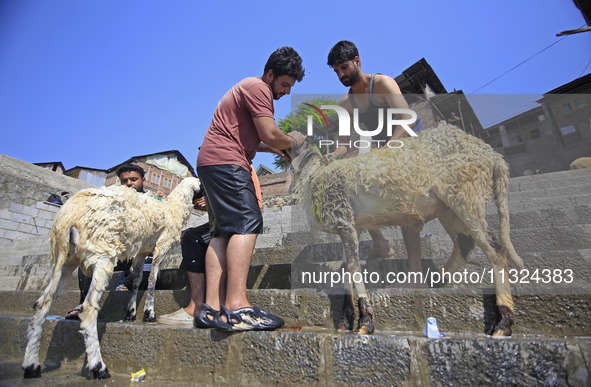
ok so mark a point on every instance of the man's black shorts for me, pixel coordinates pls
(231, 200)
(194, 242)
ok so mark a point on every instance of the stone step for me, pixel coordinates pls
(550, 217)
(559, 198)
(550, 180)
(563, 210)
(312, 246)
(545, 309)
(541, 248)
(315, 357)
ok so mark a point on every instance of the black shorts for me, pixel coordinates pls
(194, 243)
(231, 200)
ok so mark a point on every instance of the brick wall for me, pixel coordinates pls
(21, 221)
(276, 184)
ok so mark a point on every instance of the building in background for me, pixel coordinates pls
(550, 136)
(89, 175)
(55, 166)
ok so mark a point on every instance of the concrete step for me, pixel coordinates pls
(315, 357)
(549, 310)
(318, 246)
(549, 199)
(550, 345)
(550, 180)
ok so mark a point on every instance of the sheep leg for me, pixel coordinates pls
(149, 315)
(137, 272)
(463, 242)
(504, 301)
(351, 245)
(348, 317)
(31, 366)
(88, 318)
(473, 218)
(497, 256)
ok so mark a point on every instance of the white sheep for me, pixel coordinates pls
(581, 163)
(93, 230)
(443, 173)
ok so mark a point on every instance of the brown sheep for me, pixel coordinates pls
(442, 173)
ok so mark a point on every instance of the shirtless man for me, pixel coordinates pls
(367, 94)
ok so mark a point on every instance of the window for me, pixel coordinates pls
(566, 108)
(579, 103)
(568, 130)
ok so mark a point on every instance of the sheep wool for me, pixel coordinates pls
(93, 230)
(442, 173)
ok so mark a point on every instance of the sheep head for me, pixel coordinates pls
(304, 158)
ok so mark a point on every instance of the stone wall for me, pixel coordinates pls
(24, 189)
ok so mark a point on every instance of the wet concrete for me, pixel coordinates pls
(11, 375)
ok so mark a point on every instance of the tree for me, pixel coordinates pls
(298, 121)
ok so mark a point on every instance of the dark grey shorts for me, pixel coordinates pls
(231, 200)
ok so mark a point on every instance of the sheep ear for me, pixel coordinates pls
(303, 158)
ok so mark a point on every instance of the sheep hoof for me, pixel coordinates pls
(503, 328)
(130, 315)
(149, 316)
(32, 371)
(100, 373)
(502, 333)
(365, 317)
(346, 324)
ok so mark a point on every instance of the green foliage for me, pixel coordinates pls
(298, 121)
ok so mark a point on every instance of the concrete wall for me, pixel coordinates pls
(24, 189)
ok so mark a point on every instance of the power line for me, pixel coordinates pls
(531, 57)
(585, 69)
(514, 67)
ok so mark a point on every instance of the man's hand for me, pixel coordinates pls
(298, 137)
(199, 204)
(161, 194)
(338, 153)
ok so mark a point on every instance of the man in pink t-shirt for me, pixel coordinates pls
(243, 124)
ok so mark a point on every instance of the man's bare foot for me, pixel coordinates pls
(381, 248)
(382, 252)
(407, 285)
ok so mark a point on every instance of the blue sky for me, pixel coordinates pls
(92, 83)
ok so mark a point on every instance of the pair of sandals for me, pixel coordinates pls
(242, 319)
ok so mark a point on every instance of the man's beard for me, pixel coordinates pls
(350, 79)
(276, 95)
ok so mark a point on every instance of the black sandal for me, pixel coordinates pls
(202, 319)
(74, 313)
(247, 319)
